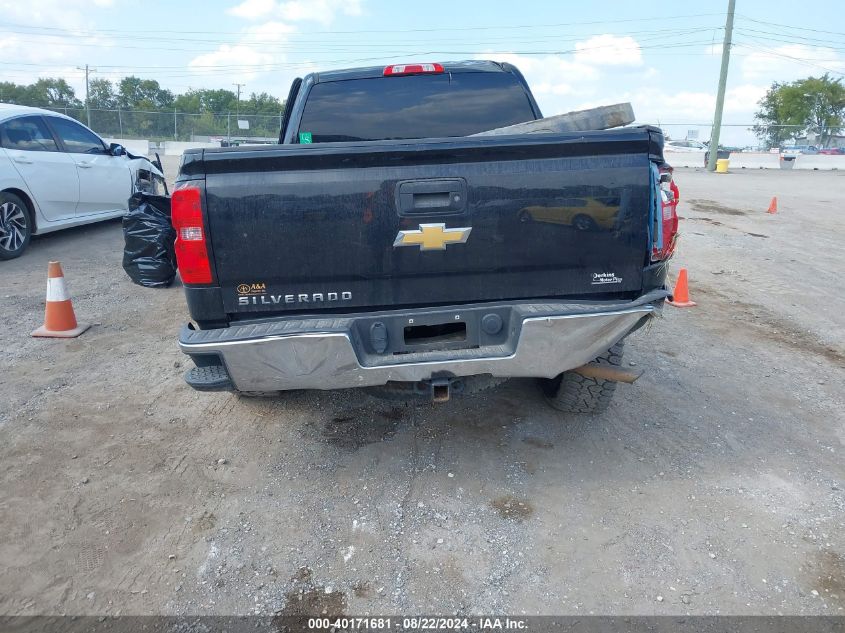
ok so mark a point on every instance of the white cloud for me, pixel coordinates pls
(257, 56)
(62, 13)
(560, 82)
(322, 11)
(788, 62)
(743, 99)
(600, 74)
(269, 31)
(29, 56)
(553, 79)
(677, 112)
(238, 55)
(609, 50)
(253, 9)
(653, 104)
(249, 57)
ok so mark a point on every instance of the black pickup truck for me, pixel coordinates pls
(379, 244)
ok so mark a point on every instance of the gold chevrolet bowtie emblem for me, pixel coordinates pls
(432, 237)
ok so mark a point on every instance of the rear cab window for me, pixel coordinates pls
(28, 133)
(413, 106)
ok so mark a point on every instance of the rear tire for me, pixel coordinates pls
(15, 226)
(573, 393)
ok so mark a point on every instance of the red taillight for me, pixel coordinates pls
(412, 69)
(669, 202)
(191, 251)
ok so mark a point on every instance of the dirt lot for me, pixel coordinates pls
(716, 484)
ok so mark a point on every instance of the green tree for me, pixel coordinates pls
(135, 107)
(187, 102)
(44, 93)
(143, 94)
(10, 92)
(202, 100)
(217, 101)
(793, 109)
(262, 103)
(101, 94)
(54, 93)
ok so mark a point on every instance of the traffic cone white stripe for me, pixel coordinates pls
(59, 319)
(57, 289)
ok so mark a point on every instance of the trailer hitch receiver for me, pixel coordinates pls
(439, 389)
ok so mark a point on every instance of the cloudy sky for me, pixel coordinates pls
(662, 56)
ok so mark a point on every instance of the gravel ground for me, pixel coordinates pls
(715, 484)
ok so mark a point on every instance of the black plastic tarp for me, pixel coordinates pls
(148, 254)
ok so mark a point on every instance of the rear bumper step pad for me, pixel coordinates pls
(211, 378)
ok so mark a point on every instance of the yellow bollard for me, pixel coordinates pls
(722, 165)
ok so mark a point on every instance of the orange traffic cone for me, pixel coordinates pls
(59, 319)
(680, 296)
(773, 206)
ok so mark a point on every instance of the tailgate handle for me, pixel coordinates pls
(447, 196)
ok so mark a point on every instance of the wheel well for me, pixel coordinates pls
(28, 202)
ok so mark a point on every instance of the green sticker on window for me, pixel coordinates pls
(305, 137)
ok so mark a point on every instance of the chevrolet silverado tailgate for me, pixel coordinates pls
(434, 221)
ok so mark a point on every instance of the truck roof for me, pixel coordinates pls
(368, 72)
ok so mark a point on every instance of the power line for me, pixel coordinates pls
(790, 26)
(782, 40)
(797, 60)
(294, 64)
(295, 46)
(826, 41)
(77, 32)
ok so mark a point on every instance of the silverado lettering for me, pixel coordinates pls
(317, 297)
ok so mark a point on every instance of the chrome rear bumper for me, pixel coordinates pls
(328, 352)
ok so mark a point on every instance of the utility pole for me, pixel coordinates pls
(238, 105)
(87, 100)
(723, 80)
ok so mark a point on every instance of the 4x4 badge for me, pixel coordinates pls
(432, 237)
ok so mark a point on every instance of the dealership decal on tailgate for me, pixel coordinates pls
(605, 278)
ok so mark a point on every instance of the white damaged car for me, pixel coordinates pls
(56, 173)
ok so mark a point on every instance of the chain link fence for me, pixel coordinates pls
(235, 127)
(744, 136)
(179, 126)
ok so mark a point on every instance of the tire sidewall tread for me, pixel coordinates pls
(6, 196)
(571, 392)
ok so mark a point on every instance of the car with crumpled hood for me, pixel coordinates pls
(55, 173)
